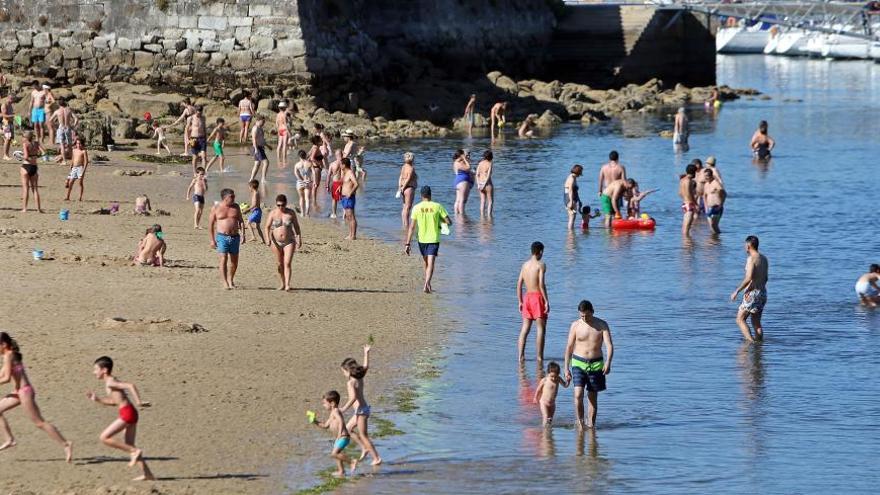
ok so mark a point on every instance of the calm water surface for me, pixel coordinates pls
(689, 408)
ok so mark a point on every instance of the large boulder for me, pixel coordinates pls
(548, 120)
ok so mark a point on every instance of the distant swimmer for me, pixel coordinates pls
(612, 197)
(527, 128)
(470, 115)
(687, 190)
(428, 217)
(681, 130)
(754, 288)
(762, 144)
(484, 184)
(714, 197)
(23, 394)
(534, 305)
(868, 287)
(407, 183)
(571, 198)
(609, 173)
(584, 364)
(464, 179)
(545, 392)
(497, 117)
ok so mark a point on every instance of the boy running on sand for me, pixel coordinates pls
(197, 188)
(218, 140)
(336, 421)
(128, 415)
(161, 138)
(535, 306)
(545, 393)
(355, 374)
(255, 213)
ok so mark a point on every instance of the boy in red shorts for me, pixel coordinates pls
(128, 415)
(534, 305)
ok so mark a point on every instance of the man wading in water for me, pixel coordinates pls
(755, 296)
(583, 361)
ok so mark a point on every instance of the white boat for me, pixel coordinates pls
(793, 42)
(775, 34)
(741, 39)
(815, 44)
(842, 46)
(875, 51)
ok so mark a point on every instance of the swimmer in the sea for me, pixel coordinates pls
(762, 144)
(868, 287)
(754, 288)
(534, 306)
(23, 394)
(336, 421)
(117, 396)
(588, 214)
(357, 425)
(545, 393)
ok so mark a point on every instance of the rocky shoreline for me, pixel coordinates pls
(116, 111)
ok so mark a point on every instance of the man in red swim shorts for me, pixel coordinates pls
(534, 305)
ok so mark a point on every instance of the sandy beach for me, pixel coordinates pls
(230, 373)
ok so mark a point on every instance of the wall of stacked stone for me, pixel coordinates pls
(179, 43)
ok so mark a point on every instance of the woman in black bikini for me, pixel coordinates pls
(284, 236)
(762, 144)
(30, 175)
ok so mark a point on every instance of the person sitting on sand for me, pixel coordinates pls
(868, 287)
(128, 416)
(336, 421)
(142, 205)
(23, 394)
(355, 374)
(151, 249)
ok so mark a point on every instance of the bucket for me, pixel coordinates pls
(38, 254)
(64, 215)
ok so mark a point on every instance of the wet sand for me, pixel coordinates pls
(229, 402)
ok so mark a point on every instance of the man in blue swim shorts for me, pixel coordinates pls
(39, 96)
(584, 363)
(349, 189)
(227, 233)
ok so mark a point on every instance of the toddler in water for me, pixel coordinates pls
(355, 374)
(545, 393)
(336, 421)
(588, 214)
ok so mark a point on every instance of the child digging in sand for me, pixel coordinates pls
(336, 421)
(197, 188)
(355, 374)
(128, 415)
(142, 205)
(545, 393)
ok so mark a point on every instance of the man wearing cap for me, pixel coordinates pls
(38, 109)
(281, 122)
(355, 155)
(428, 215)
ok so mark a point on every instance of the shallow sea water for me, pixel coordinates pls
(689, 408)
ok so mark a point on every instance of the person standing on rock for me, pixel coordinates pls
(282, 121)
(66, 120)
(754, 288)
(427, 216)
(470, 115)
(188, 110)
(258, 141)
(38, 110)
(7, 112)
(687, 190)
(497, 117)
(198, 137)
(680, 131)
(349, 189)
(227, 234)
(609, 173)
(246, 111)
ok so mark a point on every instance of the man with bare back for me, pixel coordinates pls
(197, 130)
(754, 288)
(687, 189)
(535, 306)
(615, 192)
(38, 109)
(66, 119)
(609, 173)
(584, 364)
(227, 234)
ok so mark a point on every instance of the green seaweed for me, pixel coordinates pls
(328, 483)
(163, 159)
(405, 400)
(384, 428)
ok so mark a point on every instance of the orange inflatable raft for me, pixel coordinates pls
(645, 223)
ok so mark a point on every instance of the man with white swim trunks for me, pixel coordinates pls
(66, 120)
(755, 296)
(868, 287)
